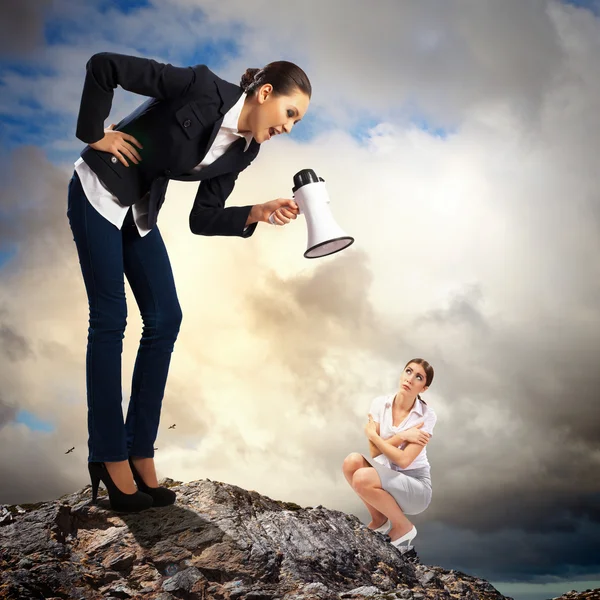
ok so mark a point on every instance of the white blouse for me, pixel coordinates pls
(381, 409)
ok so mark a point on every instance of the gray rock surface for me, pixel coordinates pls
(586, 595)
(218, 541)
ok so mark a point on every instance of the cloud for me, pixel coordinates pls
(21, 26)
(7, 413)
(14, 346)
(479, 54)
(396, 72)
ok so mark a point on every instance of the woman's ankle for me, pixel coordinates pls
(401, 528)
(121, 474)
(375, 523)
(146, 470)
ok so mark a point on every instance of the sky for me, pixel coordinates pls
(459, 144)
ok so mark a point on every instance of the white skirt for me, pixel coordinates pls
(411, 492)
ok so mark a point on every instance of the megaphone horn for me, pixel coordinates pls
(325, 236)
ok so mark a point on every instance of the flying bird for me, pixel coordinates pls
(173, 426)
(70, 450)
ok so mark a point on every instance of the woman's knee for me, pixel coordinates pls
(365, 477)
(165, 323)
(353, 461)
(171, 320)
(109, 321)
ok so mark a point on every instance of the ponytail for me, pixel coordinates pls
(284, 76)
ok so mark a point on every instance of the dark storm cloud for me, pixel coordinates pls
(463, 309)
(33, 200)
(514, 456)
(544, 556)
(533, 466)
(14, 346)
(21, 26)
(7, 412)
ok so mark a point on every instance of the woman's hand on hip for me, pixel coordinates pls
(416, 436)
(119, 144)
(283, 210)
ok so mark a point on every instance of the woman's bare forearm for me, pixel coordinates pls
(373, 449)
(395, 440)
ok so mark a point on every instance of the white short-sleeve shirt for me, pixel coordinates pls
(381, 409)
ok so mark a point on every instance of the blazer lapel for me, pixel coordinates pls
(229, 94)
(230, 161)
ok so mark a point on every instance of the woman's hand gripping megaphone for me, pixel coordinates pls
(280, 211)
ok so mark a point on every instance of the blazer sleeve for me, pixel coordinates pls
(209, 216)
(106, 70)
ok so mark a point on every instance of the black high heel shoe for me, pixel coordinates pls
(162, 496)
(119, 501)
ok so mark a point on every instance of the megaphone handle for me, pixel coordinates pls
(299, 209)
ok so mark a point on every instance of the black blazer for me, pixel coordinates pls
(176, 128)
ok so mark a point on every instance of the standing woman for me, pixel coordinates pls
(395, 480)
(194, 127)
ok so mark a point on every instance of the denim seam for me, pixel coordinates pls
(143, 375)
(91, 345)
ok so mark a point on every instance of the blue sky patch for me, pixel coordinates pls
(125, 6)
(313, 124)
(57, 31)
(360, 131)
(6, 253)
(33, 422)
(430, 128)
(213, 54)
(24, 68)
(592, 5)
(22, 130)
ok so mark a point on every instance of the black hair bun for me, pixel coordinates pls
(248, 78)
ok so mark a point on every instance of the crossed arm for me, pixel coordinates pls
(402, 456)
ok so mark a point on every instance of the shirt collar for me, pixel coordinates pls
(417, 406)
(231, 118)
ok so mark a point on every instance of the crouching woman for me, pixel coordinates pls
(394, 481)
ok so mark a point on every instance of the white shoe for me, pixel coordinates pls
(408, 538)
(384, 528)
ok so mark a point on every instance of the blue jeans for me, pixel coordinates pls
(106, 255)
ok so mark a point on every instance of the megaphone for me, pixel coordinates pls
(325, 236)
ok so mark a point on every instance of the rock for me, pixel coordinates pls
(219, 542)
(315, 590)
(5, 516)
(365, 591)
(185, 580)
(585, 595)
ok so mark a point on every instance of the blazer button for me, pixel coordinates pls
(187, 123)
(114, 159)
(167, 172)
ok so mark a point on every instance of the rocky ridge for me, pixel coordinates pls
(217, 542)
(585, 595)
